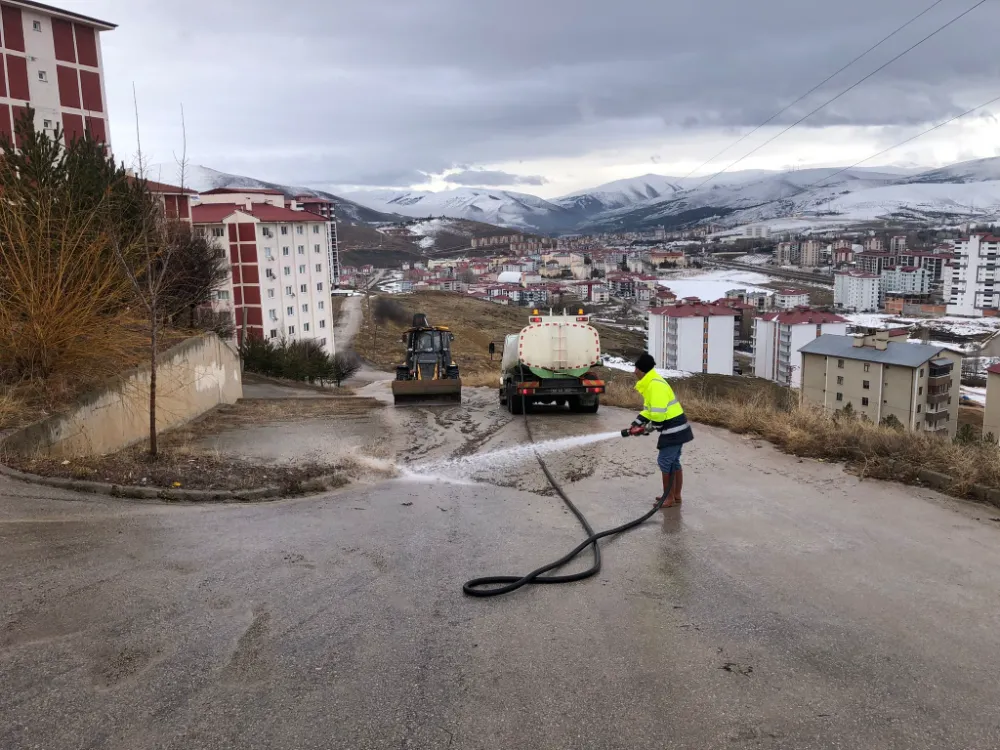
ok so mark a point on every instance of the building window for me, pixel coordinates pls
(286, 251)
(840, 380)
(304, 288)
(288, 291)
(319, 287)
(290, 311)
(867, 367)
(269, 273)
(864, 401)
(43, 76)
(47, 124)
(840, 364)
(302, 269)
(266, 231)
(36, 25)
(322, 342)
(284, 230)
(299, 229)
(272, 314)
(305, 308)
(322, 324)
(920, 391)
(288, 271)
(268, 254)
(866, 384)
(921, 373)
(918, 408)
(840, 396)
(321, 305)
(316, 230)
(302, 250)
(316, 248)
(291, 330)
(270, 294)
(305, 326)
(218, 231)
(274, 333)
(319, 267)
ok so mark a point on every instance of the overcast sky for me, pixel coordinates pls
(539, 96)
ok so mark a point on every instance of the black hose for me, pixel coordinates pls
(507, 584)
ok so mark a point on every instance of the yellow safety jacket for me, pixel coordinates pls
(663, 410)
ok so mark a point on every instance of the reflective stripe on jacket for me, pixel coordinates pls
(662, 408)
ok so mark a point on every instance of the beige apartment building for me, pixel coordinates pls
(991, 414)
(879, 375)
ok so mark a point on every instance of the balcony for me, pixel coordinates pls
(934, 399)
(937, 420)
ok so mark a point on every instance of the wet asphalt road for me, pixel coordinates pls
(788, 605)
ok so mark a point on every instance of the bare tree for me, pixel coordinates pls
(343, 366)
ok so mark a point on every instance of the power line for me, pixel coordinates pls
(845, 91)
(814, 88)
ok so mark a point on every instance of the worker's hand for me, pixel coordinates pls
(636, 429)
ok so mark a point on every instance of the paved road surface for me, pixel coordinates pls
(787, 605)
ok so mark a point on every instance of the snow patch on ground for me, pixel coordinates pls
(977, 395)
(713, 285)
(617, 363)
(954, 326)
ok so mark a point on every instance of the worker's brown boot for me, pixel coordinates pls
(678, 483)
(668, 490)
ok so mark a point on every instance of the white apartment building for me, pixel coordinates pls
(53, 64)
(935, 262)
(756, 231)
(692, 336)
(908, 279)
(786, 299)
(971, 287)
(787, 254)
(857, 291)
(897, 244)
(279, 257)
(812, 254)
(778, 336)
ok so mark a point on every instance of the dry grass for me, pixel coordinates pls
(476, 324)
(761, 408)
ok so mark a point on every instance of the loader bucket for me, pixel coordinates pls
(444, 392)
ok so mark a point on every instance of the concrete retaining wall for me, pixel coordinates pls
(191, 378)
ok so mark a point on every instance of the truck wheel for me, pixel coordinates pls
(503, 396)
(577, 406)
(515, 403)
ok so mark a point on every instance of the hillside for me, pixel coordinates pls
(202, 178)
(476, 324)
(825, 195)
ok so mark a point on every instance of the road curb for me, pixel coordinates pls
(315, 485)
(939, 481)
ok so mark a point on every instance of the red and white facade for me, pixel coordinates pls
(693, 336)
(778, 336)
(52, 62)
(786, 299)
(279, 257)
(328, 210)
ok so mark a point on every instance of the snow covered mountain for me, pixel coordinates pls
(970, 189)
(200, 178)
(501, 207)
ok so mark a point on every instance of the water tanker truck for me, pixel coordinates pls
(549, 362)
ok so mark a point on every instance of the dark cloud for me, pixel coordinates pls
(493, 178)
(360, 92)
